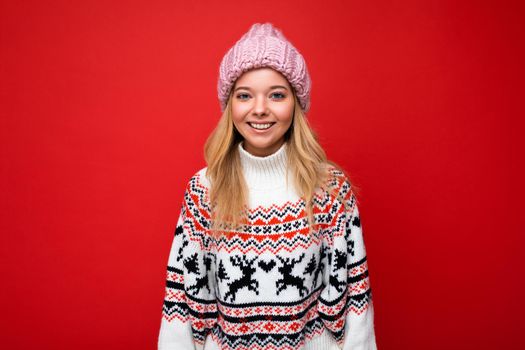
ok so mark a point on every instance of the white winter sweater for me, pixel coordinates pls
(272, 285)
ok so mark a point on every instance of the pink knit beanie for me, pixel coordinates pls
(264, 46)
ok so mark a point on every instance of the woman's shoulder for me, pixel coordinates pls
(198, 184)
(337, 183)
(335, 175)
(199, 177)
(197, 191)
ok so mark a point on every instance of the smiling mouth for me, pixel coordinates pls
(261, 126)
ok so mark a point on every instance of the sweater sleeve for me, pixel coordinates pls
(189, 309)
(345, 303)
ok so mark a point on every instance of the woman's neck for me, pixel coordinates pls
(264, 172)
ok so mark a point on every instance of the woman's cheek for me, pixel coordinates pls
(240, 110)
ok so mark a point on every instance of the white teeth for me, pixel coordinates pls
(260, 126)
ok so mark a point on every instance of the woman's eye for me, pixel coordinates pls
(275, 95)
(241, 96)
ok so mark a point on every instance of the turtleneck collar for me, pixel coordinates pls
(264, 172)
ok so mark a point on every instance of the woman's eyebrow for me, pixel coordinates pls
(271, 87)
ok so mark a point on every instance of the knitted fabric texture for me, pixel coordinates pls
(271, 284)
(264, 46)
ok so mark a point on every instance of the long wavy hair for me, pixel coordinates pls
(228, 191)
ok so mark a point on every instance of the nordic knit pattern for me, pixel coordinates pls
(271, 285)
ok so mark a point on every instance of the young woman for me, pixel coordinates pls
(268, 251)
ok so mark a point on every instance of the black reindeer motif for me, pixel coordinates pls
(185, 242)
(336, 283)
(354, 222)
(246, 281)
(350, 247)
(339, 263)
(340, 259)
(289, 279)
(311, 267)
(320, 267)
(193, 266)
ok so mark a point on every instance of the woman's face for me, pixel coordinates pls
(262, 110)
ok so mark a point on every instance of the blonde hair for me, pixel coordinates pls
(228, 191)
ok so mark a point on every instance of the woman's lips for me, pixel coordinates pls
(261, 130)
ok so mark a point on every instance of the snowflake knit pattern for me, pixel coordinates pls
(272, 284)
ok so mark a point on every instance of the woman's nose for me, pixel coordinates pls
(260, 105)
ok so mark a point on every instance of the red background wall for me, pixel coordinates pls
(105, 107)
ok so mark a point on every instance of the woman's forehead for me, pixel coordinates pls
(261, 78)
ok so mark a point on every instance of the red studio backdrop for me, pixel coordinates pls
(105, 107)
